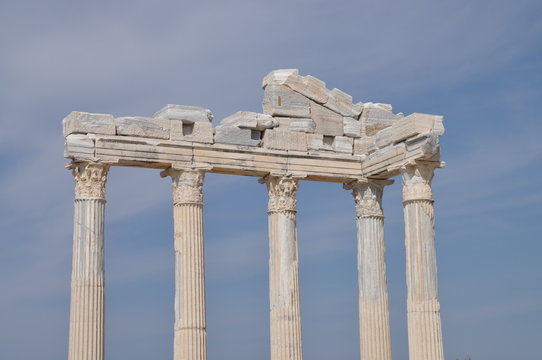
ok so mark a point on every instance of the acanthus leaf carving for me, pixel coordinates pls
(187, 186)
(90, 179)
(282, 193)
(417, 181)
(368, 197)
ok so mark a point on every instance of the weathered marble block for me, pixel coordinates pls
(88, 123)
(229, 134)
(320, 142)
(279, 100)
(415, 124)
(343, 144)
(201, 132)
(285, 140)
(341, 103)
(302, 125)
(250, 120)
(184, 112)
(308, 86)
(327, 122)
(364, 145)
(80, 144)
(384, 137)
(351, 127)
(375, 119)
(143, 127)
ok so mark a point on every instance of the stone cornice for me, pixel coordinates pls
(90, 179)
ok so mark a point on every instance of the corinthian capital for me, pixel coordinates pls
(417, 181)
(282, 193)
(90, 179)
(368, 196)
(187, 186)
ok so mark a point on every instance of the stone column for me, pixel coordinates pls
(86, 340)
(190, 334)
(283, 269)
(424, 326)
(374, 322)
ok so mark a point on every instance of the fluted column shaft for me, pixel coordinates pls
(86, 339)
(190, 334)
(374, 323)
(285, 312)
(424, 324)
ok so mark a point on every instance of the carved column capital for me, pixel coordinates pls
(187, 186)
(417, 181)
(90, 179)
(282, 193)
(367, 194)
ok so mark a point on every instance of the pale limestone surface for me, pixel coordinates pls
(306, 132)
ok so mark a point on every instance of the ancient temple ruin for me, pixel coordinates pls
(305, 133)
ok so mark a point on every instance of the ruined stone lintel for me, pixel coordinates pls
(282, 193)
(367, 194)
(90, 179)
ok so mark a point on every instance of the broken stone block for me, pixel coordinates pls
(413, 125)
(439, 125)
(279, 100)
(184, 112)
(250, 120)
(88, 123)
(384, 138)
(362, 146)
(278, 76)
(343, 144)
(308, 86)
(285, 140)
(327, 122)
(351, 127)
(380, 106)
(229, 134)
(341, 103)
(320, 142)
(302, 125)
(201, 132)
(374, 119)
(142, 127)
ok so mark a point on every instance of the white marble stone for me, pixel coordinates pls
(375, 340)
(327, 121)
(78, 122)
(201, 132)
(351, 127)
(343, 144)
(184, 112)
(250, 120)
(308, 86)
(423, 307)
(190, 333)
(285, 314)
(86, 335)
(280, 100)
(142, 127)
(415, 124)
(285, 140)
(228, 134)
(341, 103)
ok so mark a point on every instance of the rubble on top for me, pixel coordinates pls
(299, 114)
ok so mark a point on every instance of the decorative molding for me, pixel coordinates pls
(282, 193)
(417, 181)
(187, 186)
(368, 196)
(90, 179)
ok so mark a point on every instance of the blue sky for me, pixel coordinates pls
(478, 63)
